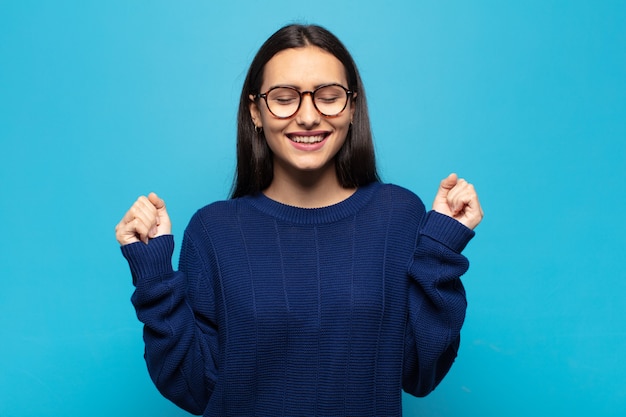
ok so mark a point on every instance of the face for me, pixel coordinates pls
(306, 142)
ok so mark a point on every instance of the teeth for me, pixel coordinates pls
(307, 139)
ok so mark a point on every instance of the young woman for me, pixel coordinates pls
(316, 290)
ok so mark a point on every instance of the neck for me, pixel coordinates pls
(307, 189)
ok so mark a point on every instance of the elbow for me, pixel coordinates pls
(175, 387)
(424, 378)
(183, 400)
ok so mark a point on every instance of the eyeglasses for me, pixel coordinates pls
(283, 102)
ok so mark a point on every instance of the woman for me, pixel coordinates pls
(316, 290)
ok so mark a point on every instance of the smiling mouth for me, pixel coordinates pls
(309, 139)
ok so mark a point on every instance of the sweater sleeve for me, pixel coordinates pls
(180, 346)
(437, 302)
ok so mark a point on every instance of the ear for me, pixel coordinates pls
(255, 112)
(352, 105)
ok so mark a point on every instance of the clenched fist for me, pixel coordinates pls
(146, 219)
(458, 199)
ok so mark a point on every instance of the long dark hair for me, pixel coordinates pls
(355, 162)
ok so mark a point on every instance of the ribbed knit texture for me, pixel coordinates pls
(284, 311)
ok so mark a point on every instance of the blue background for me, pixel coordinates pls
(103, 101)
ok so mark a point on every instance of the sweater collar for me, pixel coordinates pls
(346, 208)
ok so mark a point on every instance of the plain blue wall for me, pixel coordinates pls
(102, 101)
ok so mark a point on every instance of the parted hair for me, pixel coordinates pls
(355, 162)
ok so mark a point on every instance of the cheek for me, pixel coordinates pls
(270, 122)
(273, 126)
(273, 132)
(344, 128)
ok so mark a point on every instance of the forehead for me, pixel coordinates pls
(306, 68)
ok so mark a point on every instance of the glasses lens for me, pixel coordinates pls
(283, 101)
(331, 100)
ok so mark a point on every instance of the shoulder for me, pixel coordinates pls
(218, 208)
(399, 197)
(213, 216)
(394, 205)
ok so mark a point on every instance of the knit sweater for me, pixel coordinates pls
(284, 311)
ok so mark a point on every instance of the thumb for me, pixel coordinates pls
(447, 184)
(163, 223)
(440, 202)
(156, 201)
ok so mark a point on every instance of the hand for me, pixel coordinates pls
(458, 199)
(145, 220)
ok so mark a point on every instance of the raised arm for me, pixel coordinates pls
(437, 301)
(180, 343)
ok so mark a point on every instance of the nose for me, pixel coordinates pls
(307, 114)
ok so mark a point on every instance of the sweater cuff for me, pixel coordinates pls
(447, 231)
(150, 260)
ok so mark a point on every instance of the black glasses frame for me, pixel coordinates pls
(349, 94)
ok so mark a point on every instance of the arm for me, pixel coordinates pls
(436, 303)
(179, 347)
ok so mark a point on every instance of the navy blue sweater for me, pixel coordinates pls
(284, 311)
